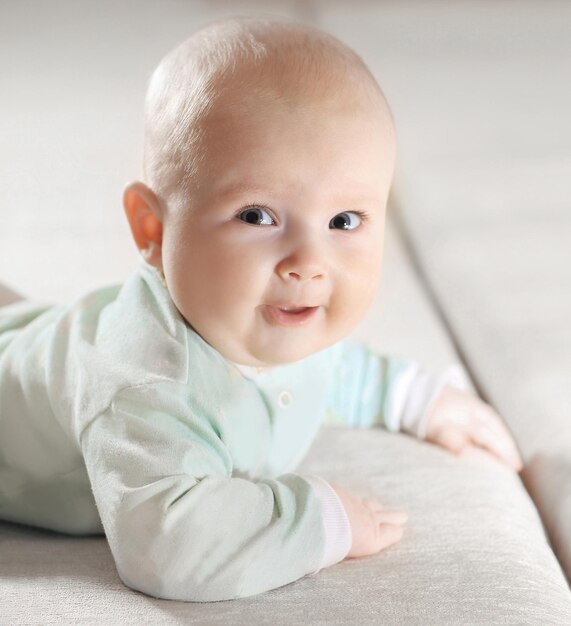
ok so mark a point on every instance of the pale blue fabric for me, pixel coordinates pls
(116, 417)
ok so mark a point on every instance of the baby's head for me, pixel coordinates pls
(269, 154)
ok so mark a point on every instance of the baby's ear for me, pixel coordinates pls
(143, 212)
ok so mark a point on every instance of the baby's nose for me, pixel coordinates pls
(305, 275)
(302, 269)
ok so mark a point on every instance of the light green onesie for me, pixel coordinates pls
(116, 417)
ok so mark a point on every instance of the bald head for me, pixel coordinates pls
(243, 64)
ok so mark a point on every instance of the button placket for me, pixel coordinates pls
(285, 399)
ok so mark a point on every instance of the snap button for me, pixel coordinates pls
(285, 399)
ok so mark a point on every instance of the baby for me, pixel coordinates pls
(171, 411)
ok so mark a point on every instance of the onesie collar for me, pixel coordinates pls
(250, 371)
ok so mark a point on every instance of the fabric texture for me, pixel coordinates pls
(510, 314)
(473, 553)
(116, 417)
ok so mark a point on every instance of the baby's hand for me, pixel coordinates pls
(459, 419)
(374, 528)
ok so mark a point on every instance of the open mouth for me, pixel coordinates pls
(291, 310)
(289, 316)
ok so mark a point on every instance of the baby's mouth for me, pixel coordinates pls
(288, 309)
(289, 316)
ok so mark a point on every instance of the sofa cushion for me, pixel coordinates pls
(473, 552)
(500, 266)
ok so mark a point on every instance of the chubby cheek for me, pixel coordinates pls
(236, 271)
(218, 282)
(355, 290)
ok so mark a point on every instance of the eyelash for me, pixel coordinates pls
(363, 216)
(255, 205)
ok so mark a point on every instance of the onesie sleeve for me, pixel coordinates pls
(368, 389)
(179, 525)
(339, 537)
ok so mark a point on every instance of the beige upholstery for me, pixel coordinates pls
(474, 552)
(510, 314)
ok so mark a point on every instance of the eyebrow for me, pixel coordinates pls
(244, 188)
(241, 187)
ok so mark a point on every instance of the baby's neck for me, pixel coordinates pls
(251, 371)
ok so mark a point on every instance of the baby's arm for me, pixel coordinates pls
(369, 389)
(179, 525)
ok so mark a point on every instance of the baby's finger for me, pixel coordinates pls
(489, 425)
(486, 414)
(389, 534)
(500, 445)
(391, 517)
(451, 437)
(490, 418)
(373, 504)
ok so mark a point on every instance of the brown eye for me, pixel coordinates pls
(255, 215)
(343, 221)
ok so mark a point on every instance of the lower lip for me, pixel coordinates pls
(286, 318)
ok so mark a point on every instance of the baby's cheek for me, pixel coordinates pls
(340, 318)
(361, 292)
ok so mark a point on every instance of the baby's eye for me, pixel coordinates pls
(344, 222)
(255, 215)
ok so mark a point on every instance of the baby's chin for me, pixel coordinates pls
(277, 355)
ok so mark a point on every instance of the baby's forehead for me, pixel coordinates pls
(255, 133)
(253, 98)
(271, 128)
(242, 70)
(281, 78)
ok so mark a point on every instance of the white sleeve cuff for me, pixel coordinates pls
(338, 535)
(423, 392)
